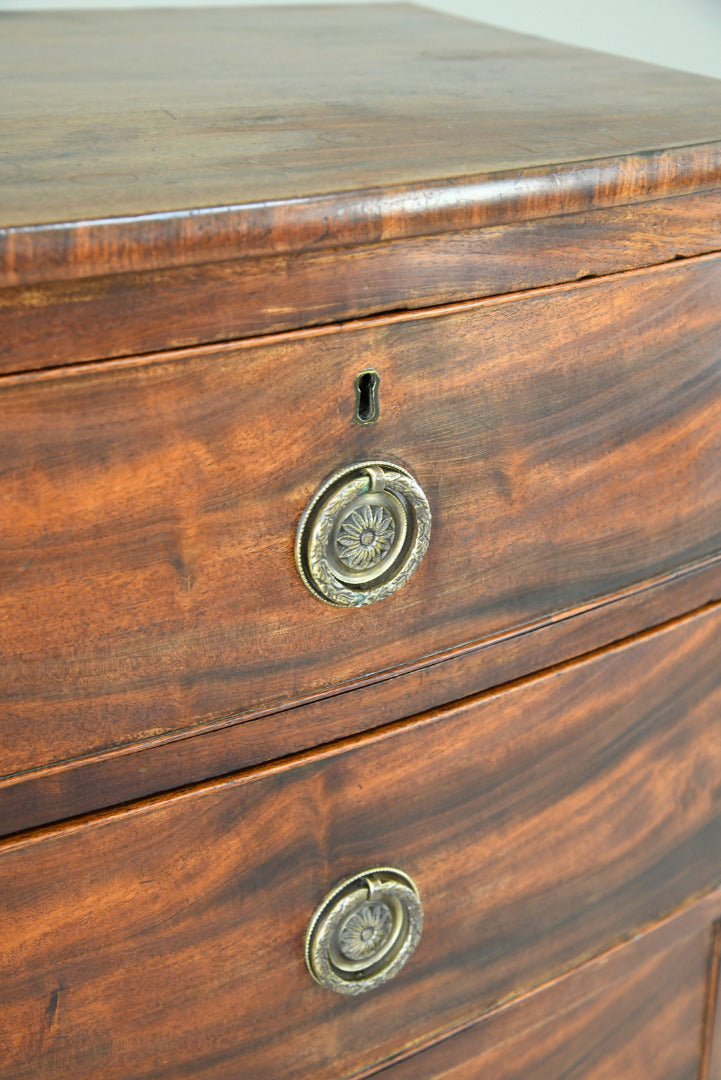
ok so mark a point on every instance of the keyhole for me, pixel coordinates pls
(367, 397)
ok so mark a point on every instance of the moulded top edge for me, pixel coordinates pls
(45, 252)
(141, 138)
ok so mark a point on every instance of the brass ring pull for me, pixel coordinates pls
(363, 534)
(364, 931)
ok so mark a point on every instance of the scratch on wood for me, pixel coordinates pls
(52, 1009)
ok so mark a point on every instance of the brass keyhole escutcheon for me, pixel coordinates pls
(364, 931)
(363, 534)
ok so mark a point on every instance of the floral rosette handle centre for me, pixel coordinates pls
(363, 534)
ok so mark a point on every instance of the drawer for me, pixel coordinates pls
(639, 1012)
(568, 441)
(542, 823)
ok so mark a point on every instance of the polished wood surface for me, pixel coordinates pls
(184, 238)
(711, 1054)
(96, 781)
(193, 208)
(65, 322)
(210, 223)
(635, 1013)
(149, 508)
(711, 1065)
(543, 823)
(393, 122)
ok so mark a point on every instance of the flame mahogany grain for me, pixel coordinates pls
(543, 823)
(66, 322)
(569, 441)
(210, 223)
(635, 1013)
(159, 138)
(94, 782)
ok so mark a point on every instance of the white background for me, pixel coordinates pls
(680, 33)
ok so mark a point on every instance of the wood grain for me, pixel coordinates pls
(157, 138)
(543, 823)
(97, 781)
(707, 1065)
(634, 1013)
(73, 321)
(569, 442)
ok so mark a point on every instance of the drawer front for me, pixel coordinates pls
(640, 1012)
(542, 824)
(569, 443)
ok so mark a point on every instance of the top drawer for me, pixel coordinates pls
(568, 440)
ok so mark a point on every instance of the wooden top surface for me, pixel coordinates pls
(143, 113)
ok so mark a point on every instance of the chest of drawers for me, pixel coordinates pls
(360, 373)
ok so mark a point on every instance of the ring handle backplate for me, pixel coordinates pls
(363, 534)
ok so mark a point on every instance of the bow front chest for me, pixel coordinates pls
(360, 551)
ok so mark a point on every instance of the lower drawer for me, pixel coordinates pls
(543, 823)
(639, 1012)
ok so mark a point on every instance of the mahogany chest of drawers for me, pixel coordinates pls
(360, 574)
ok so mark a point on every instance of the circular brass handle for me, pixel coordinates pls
(364, 931)
(363, 534)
